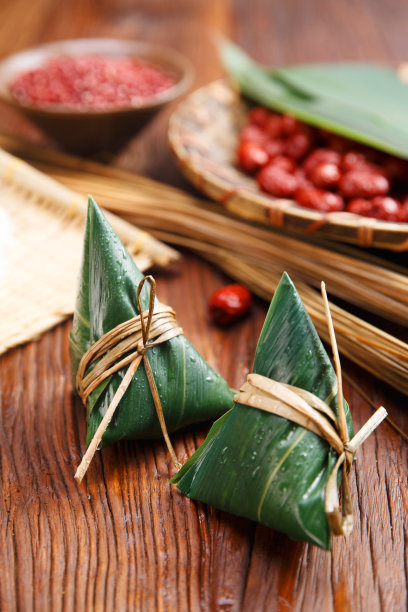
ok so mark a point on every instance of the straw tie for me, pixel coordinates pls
(312, 413)
(111, 351)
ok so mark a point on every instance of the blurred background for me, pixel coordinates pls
(272, 31)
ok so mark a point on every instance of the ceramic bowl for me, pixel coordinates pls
(91, 131)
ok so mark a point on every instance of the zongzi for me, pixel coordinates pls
(266, 461)
(108, 301)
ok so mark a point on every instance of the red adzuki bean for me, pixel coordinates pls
(386, 208)
(363, 184)
(318, 199)
(229, 304)
(360, 206)
(289, 125)
(283, 162)
(90, 82)
(252, 156)
(298, 144)
(275, 147)
(325, 175)
(302, 179)
(252, 133)
(319, 156)
(277, 182)
(258, 116)
(337, 175)
(273, 126)
(352, 160)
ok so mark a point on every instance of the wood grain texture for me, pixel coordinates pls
(125, 539)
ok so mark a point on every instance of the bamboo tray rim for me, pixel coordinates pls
(189, 130)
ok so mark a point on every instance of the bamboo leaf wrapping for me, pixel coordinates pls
(190, 390)
(259, 465)
(364, 102)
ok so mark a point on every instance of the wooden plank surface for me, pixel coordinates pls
(125, 539)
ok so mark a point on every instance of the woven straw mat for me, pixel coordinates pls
(41, 237)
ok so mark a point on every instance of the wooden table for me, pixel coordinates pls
(125, 539)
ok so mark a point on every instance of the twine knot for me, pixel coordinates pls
(127, 343)
(309, 411)
(141, 348)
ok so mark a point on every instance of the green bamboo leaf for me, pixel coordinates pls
(259, 465)
(190, 390)
(361, 102)
(369, 87)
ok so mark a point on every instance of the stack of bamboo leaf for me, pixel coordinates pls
(257, 256)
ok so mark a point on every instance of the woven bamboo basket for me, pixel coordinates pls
(203, 134)
(41, 237)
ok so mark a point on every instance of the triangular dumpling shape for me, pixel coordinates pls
(260, 465)
(190, 390)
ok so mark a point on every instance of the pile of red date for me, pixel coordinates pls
(321, 170)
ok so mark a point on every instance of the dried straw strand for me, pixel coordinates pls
(344, 274)
(257, 256)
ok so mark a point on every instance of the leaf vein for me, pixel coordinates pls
(276, 470)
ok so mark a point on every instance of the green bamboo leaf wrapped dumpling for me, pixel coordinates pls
(190, 390)
(260, 465)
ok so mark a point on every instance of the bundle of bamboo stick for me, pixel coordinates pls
(257, 256)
